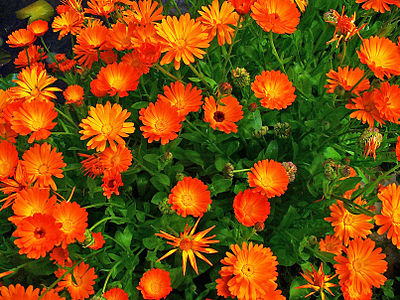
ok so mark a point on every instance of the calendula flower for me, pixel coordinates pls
(73, 218)
(218, 20)
(268, 177)
(242, 7)
(37, 235)
(79, 282)
(398, 148)
(18, 292)
(251, 207)
(252, 269)
(120, 36)
(50, 295)
(68, 22)
(161, 122)
(378, 5)
(349, 293)
(317, 281)
(73, 94)
(111, 182)
(60, 256)
(115, 79)
(155, 284)
(92, 165)
(387, 102)
(371, 139)
(274, 89)
(35, 54)
(222, 287)
(279, 16)
(182, 39)
(348, 225)
(388, 219)
(133, 59)
(98, 241)
(381, 55)
(344, 26)
(190, 196)
(191, 245)
(223, 114)
(366, 109)
(34, 117)
(143, 12)
(346, 78)
(119, 159)
(362, 267)
(106, 123)
(302, 4)
(8, 159)
(33, 84)
(21, 38)
(38, 27)
(31, 201)
(331, 244)
(184, 99)
(116, 294)
(73, 4)
(100, 7)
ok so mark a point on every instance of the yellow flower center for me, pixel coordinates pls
(180, 44)
(187, 200)
(247, 270)
(357, 265)
(42, 170)
(106, 129)
(347, 219)
(160, 125)
(396, 217)
(68, 226)
(155, 287)
(35, 92)
(185, 244)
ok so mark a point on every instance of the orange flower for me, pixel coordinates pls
(41, 163)
(111, 182)
(224, 114)
(161, 122)
(30, 201)
(363, 267)
(34, 117)
(242, 7)
(302, 4)
(155, 284)
(115, 79)
(50, 295)
(35, 53)
(74, 222)
(191, 245)
(387, 102)
(106, 123)
(222, 287)
(331, 244)
(275, 89)
(21, 38)
(367, 111)
(190, 196)
(251, 207)
(182, 40)
(74, 94)
(100, 7)
(378, 5)
(80, 283)
(185, 100)
(116, 294)
(317, 281)
(389, 218)
(279, 16)
(98, 241)
(133, 59)
(33, 84)
(92, 165)
(269, 178)
(252, 270)
(120, 36)
(348, 225)
(349, 293)
(381, 55)
(60, 256)
(8, 159)
(398, 148)
(38, 27)
(143, 12)
(18, 292)
(37, 235)
(216, 19)
(346, 78)
(89, 42)
(68, 22)
(119, 159)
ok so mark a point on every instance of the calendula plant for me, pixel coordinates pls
(251, 139)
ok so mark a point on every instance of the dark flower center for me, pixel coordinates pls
(219, 116)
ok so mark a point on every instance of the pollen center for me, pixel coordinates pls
(160, 125)
(185, 244)
(106, 129)
(155, 287)
(247, 270)
(42, 169)
(396, 217)
(219, 116)
(347, 219)
(187, 200)
(39, 233)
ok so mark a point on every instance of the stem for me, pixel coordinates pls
(242, 170)
(108, 276)
(271, 39)
(102, 221)
(343, 54)
(162, 70)
(228, 57)
(355, 205)
(67, 117)
(103, 204)
(27, 56)
(200, 76)
(358, 82)
(48, 51)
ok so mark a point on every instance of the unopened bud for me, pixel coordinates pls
(165, 207)
(291, 170)
(340, 91)
(260, 133)
(259, 226)
(253, 106)
(228, 170)
(282, 130)
(330, 169)
(312, 240)
(89, 239)
(179, 176)
(167, 156)
(225, 88)
(371, 139)
(240, 77)
(343, 170)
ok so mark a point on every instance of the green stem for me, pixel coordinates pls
(109, 275)
(162, 70)
(145, 168)
(104, 220)
(103, 204)
(228, 57)
(354, 205)
(200, 76)
(67, 117)
(48, 51)
(242, 170)
(27, 56)
(271, 39)
(343, 54)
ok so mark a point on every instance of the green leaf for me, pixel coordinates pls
(257, 121)
(158, 197)
(125, 237)
(140, 104)
(290, 216)
(152, 242)
(272, 150)
(160, 181)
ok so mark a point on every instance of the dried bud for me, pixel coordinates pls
(259, 226)
(371, 139)
(282, 130)
(225, 89)
(330, 169)
(89, 239)
(179, 176)
(343, 170)
(165, 207)
(291, 170)
(228, 170)
(240, 77)
(260, 133)
(253, 106)
(329, 17)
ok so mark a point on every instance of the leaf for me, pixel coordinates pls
(37, 10)
(272, 150)
(124, 238)
(257, 121)
(290, 216)
(347, 184)
(160, 181)
(151, 158)
(158, 197)
(140, 104)
(152, 242)
(221, 185)
(220, 163)
(194, 157)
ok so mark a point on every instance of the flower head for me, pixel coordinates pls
(111, 182)
(21, 38)
(302, 4)
(116, 294)
(106, 123)
(269, 178)
(190, 197)
(155, 284)
(35, 54)
(223, 114)
(161, 122)
(98, 241)
(8, 159)
(242, 7)
(274, 89)
(366, 109)
(371, 139)
(191, 245)
(92, 165)
(279, 16)
(143, 12)
(398, 148)
(119, 159)
(100, 7)
(73, 94)
(331, 244)
(378, 5)
(38, 27)
(346, 78)
(18, 292)
(251, 207)
(387, 102)
(68, 22)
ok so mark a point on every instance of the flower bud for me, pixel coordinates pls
(282, 130)
(179, 176)
(330, 169)
(167, 157)
(291, 170)
(371, 139)
(312, 240)
(228, 170)
(253, 106)
(165, 207)
(240, 77)
(225, 89)
(259, 226)
(340, 91)
(260, 133)
(89, 239)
